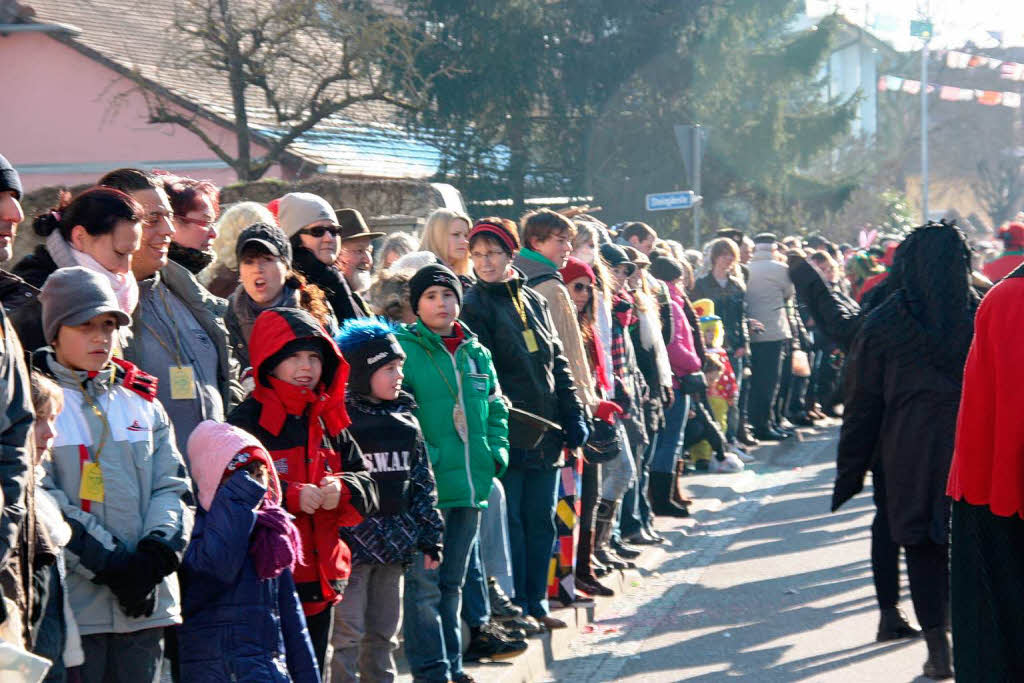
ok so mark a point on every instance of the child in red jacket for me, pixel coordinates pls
(297, 411)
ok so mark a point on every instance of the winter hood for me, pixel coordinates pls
(275, 329)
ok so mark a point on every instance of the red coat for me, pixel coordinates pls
(1004, 265)
(304, 432)
(988, 459)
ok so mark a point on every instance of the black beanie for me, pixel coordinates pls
(9, 179)
(430, 275)
(368, 344)
(665, 269)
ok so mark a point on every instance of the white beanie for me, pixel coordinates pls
(299, 209)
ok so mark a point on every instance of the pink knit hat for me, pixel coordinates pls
(211, 448)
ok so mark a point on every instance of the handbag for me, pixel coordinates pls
(604, 444)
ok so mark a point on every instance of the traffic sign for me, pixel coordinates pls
(663, 201)
(922, 29)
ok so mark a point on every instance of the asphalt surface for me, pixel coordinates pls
(762, 582)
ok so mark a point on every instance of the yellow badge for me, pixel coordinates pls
(183, 383)
(531, 341)
(92, 482)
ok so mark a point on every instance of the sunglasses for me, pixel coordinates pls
(320, 230)
(582, 287)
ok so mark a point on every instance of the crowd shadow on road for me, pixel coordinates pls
(747, 629)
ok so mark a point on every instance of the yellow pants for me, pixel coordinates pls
(720, 411)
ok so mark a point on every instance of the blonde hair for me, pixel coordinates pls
(435, 238)
(230, 225)
(47, 396)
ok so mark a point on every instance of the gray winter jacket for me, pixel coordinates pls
(145, 488)
(767, 292)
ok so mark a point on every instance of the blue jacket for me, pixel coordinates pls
(238, 627)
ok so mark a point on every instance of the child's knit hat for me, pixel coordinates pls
(368, 344)
(72, 296)
(213, 447)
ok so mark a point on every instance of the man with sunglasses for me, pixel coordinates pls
(312, 226)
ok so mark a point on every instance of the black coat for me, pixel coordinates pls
(539, 382)
(14, 291)
(900, 415)
(345, 303)
(730, 306)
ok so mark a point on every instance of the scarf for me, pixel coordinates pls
(192, 260)
(275, 544)
(247, 311)
(126, 289)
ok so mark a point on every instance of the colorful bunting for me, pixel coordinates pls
(950, 93)
(1012, 71)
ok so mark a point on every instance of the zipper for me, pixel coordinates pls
(465, 445)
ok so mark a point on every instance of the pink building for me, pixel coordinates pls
(71, 113)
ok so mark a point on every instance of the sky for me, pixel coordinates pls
(956, 21)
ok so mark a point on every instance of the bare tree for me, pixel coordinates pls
(999, 186)
(286, 66)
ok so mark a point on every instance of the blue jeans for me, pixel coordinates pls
(635, 509)
(619, 473)
(532, 496)
(432, 628)
(738, 363)
(494, 547)
(476, 605)
(670, 443)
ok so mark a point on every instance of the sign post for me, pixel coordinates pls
(690, 140)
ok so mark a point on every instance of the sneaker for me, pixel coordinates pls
(730, 463)
(489, 642)
(744, 456)
(463, 678)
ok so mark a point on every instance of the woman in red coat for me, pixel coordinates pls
(986, 483)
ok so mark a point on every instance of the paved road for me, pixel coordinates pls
(762, 582)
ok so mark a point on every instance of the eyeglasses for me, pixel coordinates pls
(486, 255)
(582, 287)
(320, 230)
(198, 222)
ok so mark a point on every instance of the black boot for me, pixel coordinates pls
(893, 626)
(623, 550)
(661, 484)
(939, 665)
(605, 519)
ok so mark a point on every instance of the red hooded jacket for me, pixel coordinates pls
(304, 432)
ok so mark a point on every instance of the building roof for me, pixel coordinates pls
(137, 39)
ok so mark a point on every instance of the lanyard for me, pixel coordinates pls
(518, 304)
(103, 419)
(176, 351)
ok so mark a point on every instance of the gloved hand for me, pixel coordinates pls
(133, 577)
(607, 410)
(576, 433)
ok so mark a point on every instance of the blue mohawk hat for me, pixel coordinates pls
(368, 344)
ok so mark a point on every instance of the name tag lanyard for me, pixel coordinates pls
(91, 485)
(182, 376)
(528, 335)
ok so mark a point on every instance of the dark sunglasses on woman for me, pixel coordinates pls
(582, 287)
(319, 231)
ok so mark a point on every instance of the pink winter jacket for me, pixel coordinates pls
(681, 354)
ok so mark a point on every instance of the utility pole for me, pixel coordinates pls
(698, 155)
(924, 127)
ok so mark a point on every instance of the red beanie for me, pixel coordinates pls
(496, 231)
(576, 269)
(1012, 236)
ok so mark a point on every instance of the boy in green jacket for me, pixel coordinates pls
(465, 426)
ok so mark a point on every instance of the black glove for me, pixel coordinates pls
(577, 433)
(133, 577)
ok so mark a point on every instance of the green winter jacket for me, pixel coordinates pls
(464, 471)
